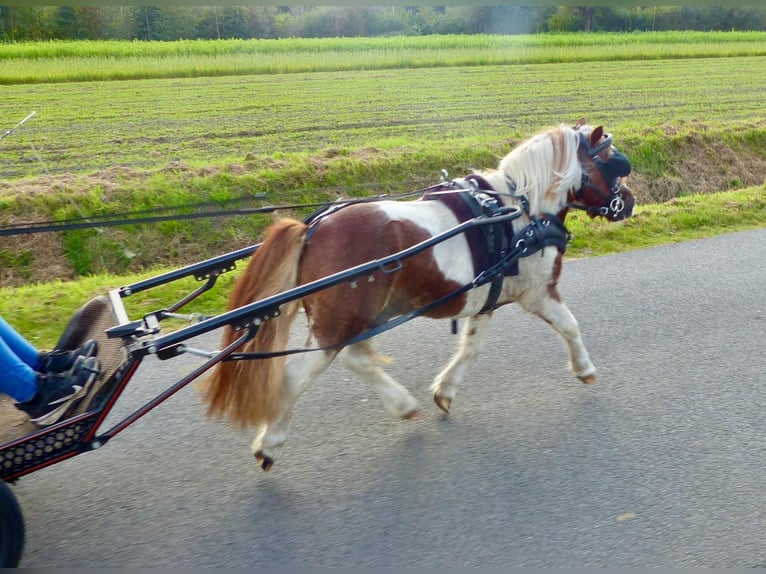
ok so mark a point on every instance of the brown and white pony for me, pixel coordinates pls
(562, 168)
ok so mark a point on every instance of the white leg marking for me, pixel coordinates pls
(362, 359)
(558, 316)
(300, 371)
(472, 339)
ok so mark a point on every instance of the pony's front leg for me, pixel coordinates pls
(365, 362)
(299, 372)
(554, 312)
(472, 338)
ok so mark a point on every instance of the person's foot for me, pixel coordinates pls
(56, 392)
(59, 360)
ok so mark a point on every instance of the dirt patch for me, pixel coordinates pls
(703, 167)
(36, 257)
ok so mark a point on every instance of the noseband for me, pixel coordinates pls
(613, 169)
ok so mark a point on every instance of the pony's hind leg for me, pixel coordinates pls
(299, 372)
(472, 339)
(362, 359)
(554, 312)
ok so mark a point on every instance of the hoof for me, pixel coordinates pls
(412, 415)
(443, 403)
(589, 380)
(264, 461)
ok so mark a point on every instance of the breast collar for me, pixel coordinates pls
(490, 244)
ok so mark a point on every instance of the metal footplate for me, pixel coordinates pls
(45, 447)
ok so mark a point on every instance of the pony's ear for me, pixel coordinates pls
(579, 123)
(596, 135)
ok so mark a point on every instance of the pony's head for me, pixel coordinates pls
(603, 191)
(571, 167)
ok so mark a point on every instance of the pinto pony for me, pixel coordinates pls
(557, 170)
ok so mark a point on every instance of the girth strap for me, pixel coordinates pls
(495, 238)
(488, 243)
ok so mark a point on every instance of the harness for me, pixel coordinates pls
(506, 248)
(495, 248)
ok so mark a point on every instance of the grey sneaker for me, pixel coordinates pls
(56, 392)
(59, 360)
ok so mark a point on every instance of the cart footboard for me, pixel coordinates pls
(24, 446)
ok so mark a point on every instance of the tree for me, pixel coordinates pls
(92, 22)
(170, 23)
(500, 19)
(260, 21)
(19, 23)
(232, 22)
(586, 15)
(588, 19)
(144, 22)
(65, 23)
(208, 27)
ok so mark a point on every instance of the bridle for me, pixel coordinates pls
(614, 168)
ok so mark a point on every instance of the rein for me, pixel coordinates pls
(126, 218)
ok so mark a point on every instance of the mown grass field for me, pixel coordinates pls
(128, 125)
(88, 125)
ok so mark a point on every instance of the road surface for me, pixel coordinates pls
(659, 464)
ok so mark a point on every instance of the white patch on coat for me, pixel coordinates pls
(453, 257)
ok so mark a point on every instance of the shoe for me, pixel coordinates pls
(59, 360)
(56, 392)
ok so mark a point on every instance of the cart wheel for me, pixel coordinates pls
(11, 528)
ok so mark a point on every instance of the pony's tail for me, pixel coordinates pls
(248, 392)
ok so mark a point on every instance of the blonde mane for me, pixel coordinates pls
(546, 167)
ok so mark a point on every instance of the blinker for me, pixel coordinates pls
(616, 166)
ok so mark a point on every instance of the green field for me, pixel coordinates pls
(82, 61)
(130, 125)
(224, 114)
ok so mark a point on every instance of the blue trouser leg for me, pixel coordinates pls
(18, 359)
(18, 379)
(22, 348)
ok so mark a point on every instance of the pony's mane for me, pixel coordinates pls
(545, 167)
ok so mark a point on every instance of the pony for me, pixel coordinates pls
(543, 177)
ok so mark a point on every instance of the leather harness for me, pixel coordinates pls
(495, 251)
(494, 247)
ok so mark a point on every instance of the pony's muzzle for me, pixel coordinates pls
(628, 203)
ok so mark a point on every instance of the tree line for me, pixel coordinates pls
(25, 23)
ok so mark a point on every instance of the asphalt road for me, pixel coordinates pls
(660, 464)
